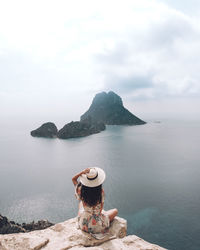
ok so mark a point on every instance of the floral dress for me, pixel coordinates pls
(92, 219)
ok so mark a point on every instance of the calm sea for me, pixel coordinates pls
(153, 177)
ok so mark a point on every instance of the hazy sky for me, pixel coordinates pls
(56, 55)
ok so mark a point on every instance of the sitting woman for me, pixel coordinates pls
(91, 216)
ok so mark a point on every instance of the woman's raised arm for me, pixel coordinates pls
(74, 179)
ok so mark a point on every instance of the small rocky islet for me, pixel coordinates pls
(106, 109)
(48, 130)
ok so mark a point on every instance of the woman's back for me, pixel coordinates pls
(91, 216)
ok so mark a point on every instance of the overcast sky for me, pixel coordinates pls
(56, 55)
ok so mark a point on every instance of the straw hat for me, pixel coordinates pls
(94, 178)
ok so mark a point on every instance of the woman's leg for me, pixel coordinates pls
(112, 213)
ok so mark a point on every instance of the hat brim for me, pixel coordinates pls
(96, 182)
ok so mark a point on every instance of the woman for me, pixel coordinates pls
(91, 216)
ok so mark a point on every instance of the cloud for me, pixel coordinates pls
(188, 7)
(173, 26)
(129, 84)
(145, 50)
(159, 60)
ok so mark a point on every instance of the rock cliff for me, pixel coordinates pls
(108, 108)
(65, 235)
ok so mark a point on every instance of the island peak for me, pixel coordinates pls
(108, 108)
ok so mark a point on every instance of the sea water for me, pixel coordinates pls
(152, 177)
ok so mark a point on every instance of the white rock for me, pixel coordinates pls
(65, 235)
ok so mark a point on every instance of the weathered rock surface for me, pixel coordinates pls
(48, 130)
(65, 235)
(80, 129)
(108, 108)
(9, 227)
(39, 225)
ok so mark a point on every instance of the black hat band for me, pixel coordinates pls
(91, 179)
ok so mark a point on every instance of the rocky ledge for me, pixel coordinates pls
(65, 235)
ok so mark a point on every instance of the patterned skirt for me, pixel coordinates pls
(93, 221)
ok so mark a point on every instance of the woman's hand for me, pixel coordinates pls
(85, 171)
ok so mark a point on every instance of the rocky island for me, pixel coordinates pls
(106, 109)
(80, 129)
(48, 130)
(70, 130)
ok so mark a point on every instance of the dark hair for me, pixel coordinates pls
(91, 195)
